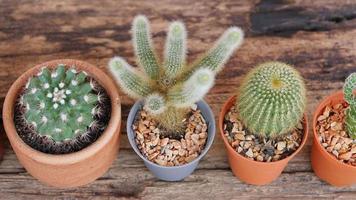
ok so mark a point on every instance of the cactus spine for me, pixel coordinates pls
(350, 121)
(59, 104)
(171, 87)
(271, 99)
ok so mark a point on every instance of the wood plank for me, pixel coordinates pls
(128, 177)
(96, 33)
(134, 181)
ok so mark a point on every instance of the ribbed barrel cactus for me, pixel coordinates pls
(271, 99)
(170, 87)
(350, 121)
(59, 104)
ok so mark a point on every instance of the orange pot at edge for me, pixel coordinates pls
(325, 165)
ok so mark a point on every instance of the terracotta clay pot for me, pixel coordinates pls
(250, 171)
(73, 169)
(325, 165)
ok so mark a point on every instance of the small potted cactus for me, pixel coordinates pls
(263, 126)
(333, 155)
(62, 119)
(170, 127)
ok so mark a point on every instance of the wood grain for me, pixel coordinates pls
(317, 37)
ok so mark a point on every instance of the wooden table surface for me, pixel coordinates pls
(316, 36)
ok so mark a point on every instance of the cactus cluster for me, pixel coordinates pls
(271, 99)
(350, 121)
(60, 104)
(171, 87)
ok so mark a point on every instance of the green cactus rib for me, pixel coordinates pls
(175, 50)
(350, 121)
(131, 81)
(171, 87)
(143, 47)
(271, 99)
(59, 104)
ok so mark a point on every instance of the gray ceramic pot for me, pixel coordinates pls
(175, 173)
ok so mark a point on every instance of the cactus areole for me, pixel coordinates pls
(350, 97)
(170, 87)
(61, 108)
(271, 99)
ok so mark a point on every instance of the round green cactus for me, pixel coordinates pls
(350, 121)
(271, 99)
(59, 104)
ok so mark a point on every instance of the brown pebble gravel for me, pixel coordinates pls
(166, 151)
(332, 135)
(257, 148)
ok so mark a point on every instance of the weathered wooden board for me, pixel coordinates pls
(318, 37)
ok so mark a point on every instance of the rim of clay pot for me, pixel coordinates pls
(337, 96)
(201, 155)
(221, 125)
(62, 159)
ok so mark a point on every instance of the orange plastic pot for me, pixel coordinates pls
(73, 169)
(250, 171)
(325, 165)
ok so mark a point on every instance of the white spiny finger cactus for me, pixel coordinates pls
(175, 50)
(192, 90)
(144, 48)
(171, 87)
(155, 104)
(130, 80)
(221, 52)
(271, 99)
(350, 97)
(59, 104)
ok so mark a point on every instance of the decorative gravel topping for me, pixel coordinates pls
(257, 148)
(332, 134)
(170, 152)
